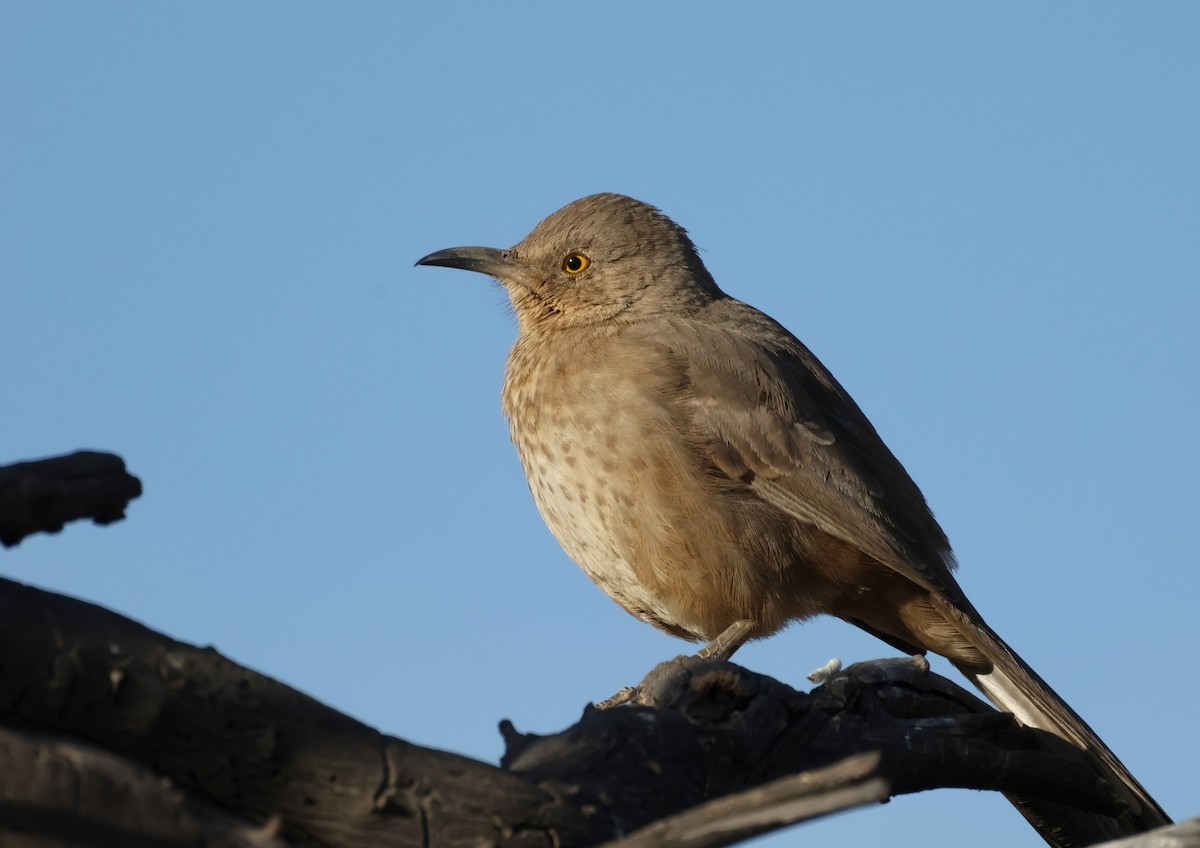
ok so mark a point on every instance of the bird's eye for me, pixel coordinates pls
(575, 263)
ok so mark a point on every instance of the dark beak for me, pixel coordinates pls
(485, 260)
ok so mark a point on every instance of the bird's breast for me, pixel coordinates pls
(578, 426)
(600, 435)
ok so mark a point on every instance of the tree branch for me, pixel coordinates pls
(789, 800)
(55, 792)
(44, 495)
(705, 730)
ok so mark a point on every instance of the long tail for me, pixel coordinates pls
(1015, 687)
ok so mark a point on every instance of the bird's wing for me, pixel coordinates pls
(768, 413)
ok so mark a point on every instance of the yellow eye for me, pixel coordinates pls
(576, 263)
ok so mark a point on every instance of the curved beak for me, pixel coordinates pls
(485, 260)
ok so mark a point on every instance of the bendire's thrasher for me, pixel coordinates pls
(710, 474)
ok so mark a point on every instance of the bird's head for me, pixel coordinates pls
(605, 257)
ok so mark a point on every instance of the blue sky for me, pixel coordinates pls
(983, 219)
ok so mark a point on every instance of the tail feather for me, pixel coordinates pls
(1015, 687)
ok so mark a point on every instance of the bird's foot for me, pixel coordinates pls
(623, 696)
(721, 648)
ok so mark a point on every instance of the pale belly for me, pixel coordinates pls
(593, 497)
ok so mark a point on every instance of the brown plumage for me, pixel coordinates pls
(710, 474)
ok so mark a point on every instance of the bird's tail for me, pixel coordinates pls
(1015, 687)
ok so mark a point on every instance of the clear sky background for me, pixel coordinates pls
(984, 219)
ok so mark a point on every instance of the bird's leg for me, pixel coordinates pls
(721, 648)
(727, 643)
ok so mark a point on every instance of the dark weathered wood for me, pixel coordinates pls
(42, 496)
(853, 782)
(703, 730)
(743, 729)
(58, 792)
(246, 743)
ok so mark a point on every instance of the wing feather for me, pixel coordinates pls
(766, 412)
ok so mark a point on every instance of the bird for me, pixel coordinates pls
(711, 475)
